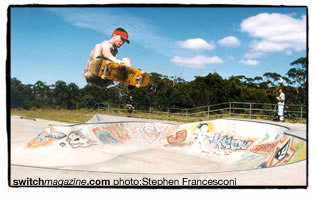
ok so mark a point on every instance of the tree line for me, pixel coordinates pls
(167, 92)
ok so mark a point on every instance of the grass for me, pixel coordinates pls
(83, 115)
(61, 115)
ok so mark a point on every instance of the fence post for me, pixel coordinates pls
(168, 113)
(250, 111)
(301, 112)
(186, 114)
(229, 109)
(208, 111)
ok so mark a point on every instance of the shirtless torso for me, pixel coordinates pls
(107, 49)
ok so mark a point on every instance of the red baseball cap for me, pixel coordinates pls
(123, 34)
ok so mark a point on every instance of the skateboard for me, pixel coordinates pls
(106, 69)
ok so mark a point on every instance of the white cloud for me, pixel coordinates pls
(196, 44)
(230, 41)
(269, 47)
(249, 62)
(275, 33)
(197, 61)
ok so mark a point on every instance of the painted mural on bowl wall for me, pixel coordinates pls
(149, 132)
(46, 138)
(51, 136)
(246, 148)
(111, 134)
(267, 151)
(288, 150)
(206, 137)
(76, 140)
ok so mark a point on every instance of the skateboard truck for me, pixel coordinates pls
(105, 70)
(139, 79)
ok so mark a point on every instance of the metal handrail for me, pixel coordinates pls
(228, 110)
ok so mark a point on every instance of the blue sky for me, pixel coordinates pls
(51, 44)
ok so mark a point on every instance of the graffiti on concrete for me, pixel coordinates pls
(118, 131)
(111, 134)
(62, 144)
(54, 133)
(169, 130)
(250, 160)
(76, 139)
(178, 139)
(46, 138)
(150, 133)
(225, 142)
(201, 135)
(264, 148)
(40, 142)
(282, 153)
(300, 151)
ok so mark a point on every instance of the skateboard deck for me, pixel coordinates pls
(106, 69)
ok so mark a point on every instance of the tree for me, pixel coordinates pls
(60, 94)
(272, 78)
(208, 90)
(73, 96)
(66, 96)
(16, 96)
(168, 92)
(233, 89)
(298, 74)
(42, 94)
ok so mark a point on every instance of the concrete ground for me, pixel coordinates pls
(24, 130)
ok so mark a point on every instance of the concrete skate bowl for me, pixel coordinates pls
(161, 148)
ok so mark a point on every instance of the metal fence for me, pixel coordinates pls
(228, 109)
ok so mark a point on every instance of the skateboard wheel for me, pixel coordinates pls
(138, 85)
(139, 78)
(103, 77)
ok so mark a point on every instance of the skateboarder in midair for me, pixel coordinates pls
(107, 49)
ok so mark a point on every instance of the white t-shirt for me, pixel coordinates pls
(282, 97)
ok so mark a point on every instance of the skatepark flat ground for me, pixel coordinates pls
(24, 130)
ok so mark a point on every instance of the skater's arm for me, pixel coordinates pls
(108, 55)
